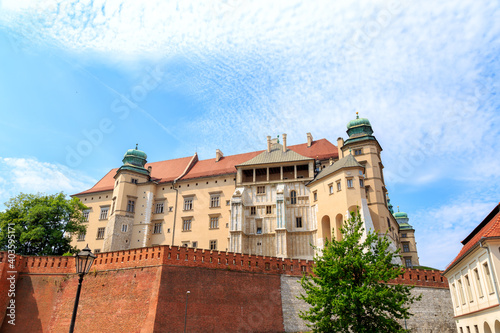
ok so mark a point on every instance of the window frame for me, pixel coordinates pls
(187, 222)
(157, 228)
(104, 212)
(100, 233)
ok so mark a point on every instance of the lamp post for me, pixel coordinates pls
(84, 259)
(186, 312)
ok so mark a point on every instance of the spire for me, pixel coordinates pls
(357, 115)
(136, 146)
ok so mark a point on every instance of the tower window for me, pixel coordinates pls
(135, 180)
(159, 208)
(361, 182)
(252, 210)
(358, 152)
(298, 222)
(124, 228)
(269, 210)
(315, 195)
(293, 197)
(104, 213)
(261, 190)
(131, 206)
(157, 228)
(339, 186)
(406, 247)
(349, 183)
(100, 233)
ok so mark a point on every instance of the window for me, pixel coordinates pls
(406, 247)
(186, 225)
(488, 278)
(100, 233)
(171, 208)
(339, 186)
(195, 244)
(479, 286)
(261, 189)
(157, 228)
(228, 202)
(185, 244)
(408, 263)
(81, 237)
(134, 180)
(361, 182)
(468, 329)
(476, 328)
(269, 210)
(124, 228)
(213, 245)
(349, 183)
(159, 208)
(403, 235)
(330, 189)
(215, 201)
(293, 197)
(455, 295)
(104, 213)
(258, 226)
(298, 222)
(188, 203)
(315, 196)
(97, 251)
(252, 210)
(131, 206)
(214, 222)
(461, 292)
(358, 151)
(86, 214)
(468, 289)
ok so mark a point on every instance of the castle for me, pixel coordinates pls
(275, 202)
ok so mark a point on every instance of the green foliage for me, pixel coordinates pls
(348, 290)
(37, 224)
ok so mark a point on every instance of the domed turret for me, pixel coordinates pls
(359, 129)
(135, 160)
(402, 219)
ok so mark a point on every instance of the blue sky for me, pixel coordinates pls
(83, 81)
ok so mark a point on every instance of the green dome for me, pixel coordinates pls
(135, 160)
(400, 215)
(136, 153)
(358, 122)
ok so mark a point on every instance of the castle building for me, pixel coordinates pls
(473, 278)
(407, 237)
(275, 202)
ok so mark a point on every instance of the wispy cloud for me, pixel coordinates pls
(29, 175)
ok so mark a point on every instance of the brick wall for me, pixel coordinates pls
(144, 290)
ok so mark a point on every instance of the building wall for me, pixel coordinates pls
(475, 300)
(144, 290)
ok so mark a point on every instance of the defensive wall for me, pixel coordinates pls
(144, 290)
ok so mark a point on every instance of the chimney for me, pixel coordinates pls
(268, 143)
(218, 155)
(284, 142)
(309, 140)
(340, 144)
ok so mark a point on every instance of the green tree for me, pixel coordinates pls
(39, 224)
(348, 290)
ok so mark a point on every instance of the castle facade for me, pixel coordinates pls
(275, 202)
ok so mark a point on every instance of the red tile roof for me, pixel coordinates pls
(490, 227)
(166, 171)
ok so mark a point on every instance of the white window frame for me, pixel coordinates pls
(100, 233)
(214, 222)
(214, 200)
(104, 213)
(188, 203)
(159, 208)
(213, 245)
(86, 214)
(157, 228)
(186, 224)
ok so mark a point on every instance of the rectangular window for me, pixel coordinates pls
(315, 196)
(479, 286)
(361, 182)
(188, 203)
(131, 206)
(104, 213)
(124, 228)
(339, 186)
(81, 237)
(357, 151)
(468, 288)
(330, 189)
(349, 183)
(468, 329)
(86, 214)
(258, 226)
(159, 208)
(100, 233)
(214, 201)
(408, 263)
(406, 247)
(214, 222)
(261, 189)
(461, 292)
(298, 222)
(252, 210)
(403, 235)
(488, 278)
(455, 295)
(195, 244)
(476, 328)
(213, 245)
(134, 180)
(228, 202)
(157, 228)
(97, 251)
(269, 210)
(186, 225)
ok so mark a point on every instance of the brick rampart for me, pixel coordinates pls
(144, 290)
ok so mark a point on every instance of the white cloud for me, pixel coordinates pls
(28, 175)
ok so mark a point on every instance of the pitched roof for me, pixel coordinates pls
(345, 162)
(276, 155)
(165, 171)
(490, 227)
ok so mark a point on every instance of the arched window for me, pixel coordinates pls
(293, 197)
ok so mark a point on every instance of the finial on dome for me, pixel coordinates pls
(398, 209)
(136, 146)
(278, 138)
(357, 116)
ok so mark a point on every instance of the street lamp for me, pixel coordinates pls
(84, 259)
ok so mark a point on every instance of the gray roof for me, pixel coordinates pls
(345, 162)
(276, 155)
